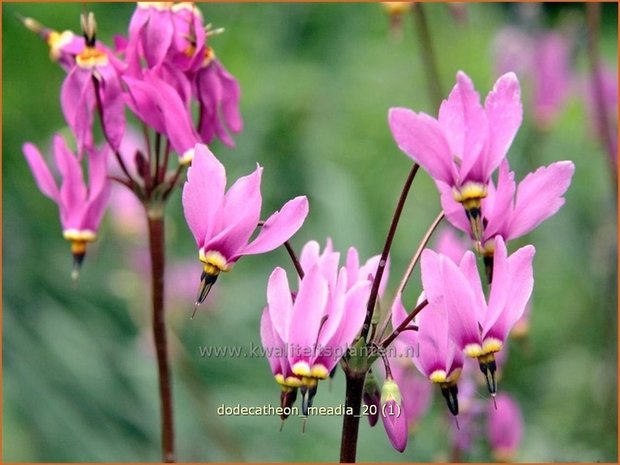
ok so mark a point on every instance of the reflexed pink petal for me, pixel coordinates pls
(279, 302)
(465, 125)
(433, 338)
(422, 138)
(460, 301)
(73, 190)
(231, 93)
(78, 102)
(511, 289)
(497, 207)
(355, 312)
(113, 104)
(505, 427)
(99, 189)
(141, 99)
(406, 340)
(280, 226)
(269, 342)
(177, 119)
(369, 269)
(309, 255)
(468, 267)
(505, 113)
(539, 196)
(238, 217)
(454, 211)
(156, 36)
(203, 193)
(307, 313)
(352, 264)
(44, 179)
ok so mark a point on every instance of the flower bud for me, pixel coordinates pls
(372, 398)
(393, 415)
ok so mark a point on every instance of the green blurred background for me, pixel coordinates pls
(79, 378)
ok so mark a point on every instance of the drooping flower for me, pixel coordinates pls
(505, 428)
(93, 83)
(467, 142)
(218, 94)
(64, 46)
(275, 351)
(151, 31)
(477, 327)
(512, 211)
(223, 222)
(318, 325)
(159, 105)
(393, 415)
(81, 206)
(437, 357)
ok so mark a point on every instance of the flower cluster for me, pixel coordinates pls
(160, 72)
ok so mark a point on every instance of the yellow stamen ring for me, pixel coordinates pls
(91, 57)
(214, 262)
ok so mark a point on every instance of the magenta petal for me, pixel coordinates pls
(505, 113)
(157, 36)
(539, 196)
(78, 101)
(422, 139)
(203, 193)
(454, 211)
(238, 217)
(355, 312)
(177, 119)
(99, 190)
(511, 289)
(309, 255)
(42, 175)
(280, 226)
(113, 104)
(307, 315)
(269, 342)
(142, 100)
(460, 302)
(231, 94)
(279, 302)
(465, 125)
(73, 190)
(497, 207)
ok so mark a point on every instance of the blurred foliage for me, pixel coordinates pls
(79, 378)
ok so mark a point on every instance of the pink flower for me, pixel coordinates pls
(223, 222)
(81, 206)
(505, 428)
(93, 82)
(316, 327)
(394, 419)
(477, 327)
(218, 94)
(151, 32)
(159, 105)
(275, 351)
(510, 211)
(467, 142)
(434, 354)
